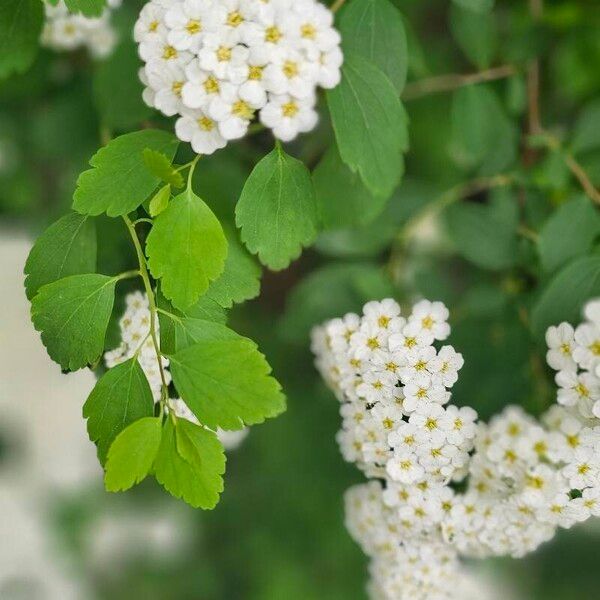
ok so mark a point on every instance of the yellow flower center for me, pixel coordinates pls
(235, 19)
(595, 348)
(193, 26)
(290, 109)
(427, 322)
(383, 321)
(308, 31)
(410, 342)
(582, 390)
(223, 54)
(290, 69)
(431, 424)
(388, 423)
(211, 85)
(420, 365)
(206, 124)
(583, 469)
(242, 109)
(153, 26)
(272, 34)
(373, 342)
(176, 87)
(255, 73)
(535, 482)
(566, 349)
(391, 366)
(169, 53)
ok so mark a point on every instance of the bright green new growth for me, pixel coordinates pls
(132, 454)
(226, 383)
(186, 249)
(67, 247)
(160, 165)
(88, 8)
(277, 211)
(121, 396)
(72, 315)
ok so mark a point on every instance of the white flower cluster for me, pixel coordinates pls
(65, 31)
(216, 63)
(135, 339)
(522, 478)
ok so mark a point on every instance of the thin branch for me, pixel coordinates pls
(337, 5)
(446, 83)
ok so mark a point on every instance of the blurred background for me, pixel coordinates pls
(278, 532)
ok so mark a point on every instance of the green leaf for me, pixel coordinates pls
(67, 247)
(277, 211)
(586, 135)
(483, 137)
(121, 396)
(226, 383)
(160, 165)
(374, 29)
(240, 280)
(486, 235)
(568, 233)
(88, 8)
(329, 292)
(119, 180)
(370, 124)
(190, 463)
(475, 33)
(160, 200)
(342, 198)
(480, 6)
(118, 89)
(72, 315)
(186, 249)
(132, 454)
(20, 27)
(566, 293)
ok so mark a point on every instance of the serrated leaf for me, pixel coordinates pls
(370, 124)
(566, 293)
(240, 280)
(342, 198)
(186, 249)
(277, 211)
(72, 315)
(160, 200)
(375, 30)
(190, 463)
(568, 233)
(132, 454)
(88, 8)
(226, 383)
(67, 247)
(161, 166)
(20, 26)
(119, 180)
(118, 89)
(121, 396)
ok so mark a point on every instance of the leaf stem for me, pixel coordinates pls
(191, 171)
(452, 81)
(143, 272)
(337, 5)
(128, 274)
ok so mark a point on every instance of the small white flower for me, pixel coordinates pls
(561, 343)
(232, 113)
(405, 468)
(432, 317)
(288, 116)
(197, 127)
(291, 73)
(188, 22)
(587, 350)
(167, 83)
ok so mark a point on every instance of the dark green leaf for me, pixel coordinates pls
(132, 454)
(370, 124)
(119, 180)
(67, 247)
(186, 249)
(121, 396)
(476, 5)
(72, 315)
(586, 135)
(226, 383)
(475, 33)
(277, 211)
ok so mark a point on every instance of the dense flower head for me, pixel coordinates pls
(218, 63)
(136, 340)
(520, 478)
(66, 31)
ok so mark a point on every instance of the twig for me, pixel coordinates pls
(445, 83)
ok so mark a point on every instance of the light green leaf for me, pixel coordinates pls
(486, 235)
(72, 315)
(186, 249)
(240, 280)
(89, 8)
(566, 293)
(190, 463)
(20, 27)
(342, 198)
(132, 454)
(121, 396)
(374, 29)
(226, 383)
(67, 247)
(119, 180)
(160, 200)
(475, 33)
(568, 233)
(586, 135)
(476, 5)
(160, 165)
(118, 89)
(483, 137)
(370, 124)
(277, 212)
(184, 331)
